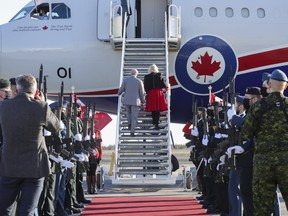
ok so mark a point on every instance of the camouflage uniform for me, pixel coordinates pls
(268, 124)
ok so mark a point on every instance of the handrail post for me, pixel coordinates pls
(119, 97)
(169, 90)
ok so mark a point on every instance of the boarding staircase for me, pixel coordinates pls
(143, 159)
(146, 157)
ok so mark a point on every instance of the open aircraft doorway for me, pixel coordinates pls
(150, 18)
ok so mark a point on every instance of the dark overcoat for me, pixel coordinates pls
(24, 153)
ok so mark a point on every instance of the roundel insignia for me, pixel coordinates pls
(203, 61)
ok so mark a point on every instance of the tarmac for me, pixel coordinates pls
(154, 190)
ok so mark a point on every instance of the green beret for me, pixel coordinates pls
(4, 83)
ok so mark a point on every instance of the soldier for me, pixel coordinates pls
(5, 89)
(267, 122)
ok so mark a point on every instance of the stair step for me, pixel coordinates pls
(146, 165)
(143, 157)
(145, 49)
(145, 58)
(146, 150)
(145, 40)
(143, 171)
(158, 144)
(144, 54)
(144, 137)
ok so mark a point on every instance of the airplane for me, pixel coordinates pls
(210, 42)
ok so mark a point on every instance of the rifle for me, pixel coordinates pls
(68, 139)
(77, 144)
(194, 123)
(40, 79)
(216, 115)
(232, 130)
(45, 88)
(205, 123)
(92, 130)
(86, 143)
(225, 108)
(60, 101)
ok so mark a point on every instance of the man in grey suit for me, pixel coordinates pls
(24, 158)
(133, 97)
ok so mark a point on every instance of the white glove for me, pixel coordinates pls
(218, 167)
(47, 133)
(56, 159)
(62, 125)
(94, 152)
(86, 138)
(86, 159)
(195, 132)
(80, 156)
(218, 136)
(67, 164)
(205, 140)
(205, 161)
(191, 148)
(231, 112)
(209, 160)
(78, 137)
(237, 150)
(222, 159)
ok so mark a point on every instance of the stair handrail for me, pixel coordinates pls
(119, 97)
(178, 17)
(168, 96)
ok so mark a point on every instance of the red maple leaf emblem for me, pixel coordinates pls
(206, 67)
(44, 27)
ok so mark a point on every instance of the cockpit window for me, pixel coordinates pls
(41, 12)
(22, 13)
(60, 11)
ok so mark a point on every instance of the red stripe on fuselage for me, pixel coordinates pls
(263, 59)
(105, 92)
(256, 60)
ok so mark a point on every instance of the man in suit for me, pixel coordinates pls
(126, 8)
(133, 97)
(24, 158)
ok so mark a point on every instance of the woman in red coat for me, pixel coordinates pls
(155, 98)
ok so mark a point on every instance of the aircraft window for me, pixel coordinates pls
(41, 12)
(261, 12)
(229, 12)
(213, 12)
(198, 12)
(245, 12)
(60, 11)
(22, 13)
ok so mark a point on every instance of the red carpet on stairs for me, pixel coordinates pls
(143, 206)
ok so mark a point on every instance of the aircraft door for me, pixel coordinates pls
(152, 18)
(103, 20)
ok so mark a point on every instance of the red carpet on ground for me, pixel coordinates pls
(143, 206)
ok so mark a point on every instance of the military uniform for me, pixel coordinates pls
(267, 121)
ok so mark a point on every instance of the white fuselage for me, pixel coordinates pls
(77, 50)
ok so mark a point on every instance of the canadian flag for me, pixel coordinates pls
(82, 106)
(214, 98)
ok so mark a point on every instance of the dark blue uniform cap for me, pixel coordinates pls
(265, 76)
(279, 75)
(253, 91)
(239, 99)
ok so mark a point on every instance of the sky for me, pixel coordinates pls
(8, 8)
